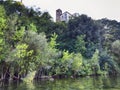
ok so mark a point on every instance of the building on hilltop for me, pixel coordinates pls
(66, 16)
(58, 14)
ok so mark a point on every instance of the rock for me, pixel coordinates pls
(47, 78)
(51, 79)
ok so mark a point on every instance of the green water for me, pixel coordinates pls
(86, 83)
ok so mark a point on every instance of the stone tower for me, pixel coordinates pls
(58, 14)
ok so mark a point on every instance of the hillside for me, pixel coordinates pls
(31, 41)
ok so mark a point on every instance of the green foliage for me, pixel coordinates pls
(2, 27)
(80, 45)
(81, 31)
(22, 57)
(32, 27)
(95, 62)
(95, 58)
(22, 52)
(115, 47)
(37, 43)
(65, 62)
(66, 56)
(77, 62)
(2, 17)
(116, 50)
(2, 20)
(31, 41)
(52, 42)
(85, 69)
(19, 34)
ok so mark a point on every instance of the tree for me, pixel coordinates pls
(3, 47)
(95, 63)
(116, 50)
(82, 25)
(80, 45)
(2, 30)
(77, 63)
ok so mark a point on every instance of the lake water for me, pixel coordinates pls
(86, 83)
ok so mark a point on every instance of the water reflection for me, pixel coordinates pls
(86, 83)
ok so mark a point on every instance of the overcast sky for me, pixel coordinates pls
(96, 9)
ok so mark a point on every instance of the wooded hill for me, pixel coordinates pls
(31, 41)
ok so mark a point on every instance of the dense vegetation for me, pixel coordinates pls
(31, 41)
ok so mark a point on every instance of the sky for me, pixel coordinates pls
(96, 9)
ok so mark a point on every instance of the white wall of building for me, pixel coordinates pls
(65, 16)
